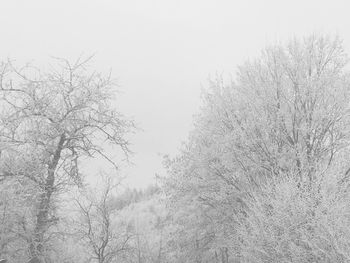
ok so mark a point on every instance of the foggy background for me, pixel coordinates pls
(162, 52)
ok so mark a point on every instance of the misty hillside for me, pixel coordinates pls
(170, 132)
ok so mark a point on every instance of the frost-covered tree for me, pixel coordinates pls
(50, 120)
(95, 226)
(285, 117)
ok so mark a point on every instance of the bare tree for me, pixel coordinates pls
(96, 228)
(49, 121)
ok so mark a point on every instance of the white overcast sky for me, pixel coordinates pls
(162, 52)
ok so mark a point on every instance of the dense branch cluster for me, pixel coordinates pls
(266, 167)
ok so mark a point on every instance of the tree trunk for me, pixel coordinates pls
(216, 257)
(36, 247)
(224, 255)
(160, 246)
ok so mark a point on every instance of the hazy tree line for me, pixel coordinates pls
(263, 177)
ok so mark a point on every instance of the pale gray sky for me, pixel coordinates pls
(161, 51)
